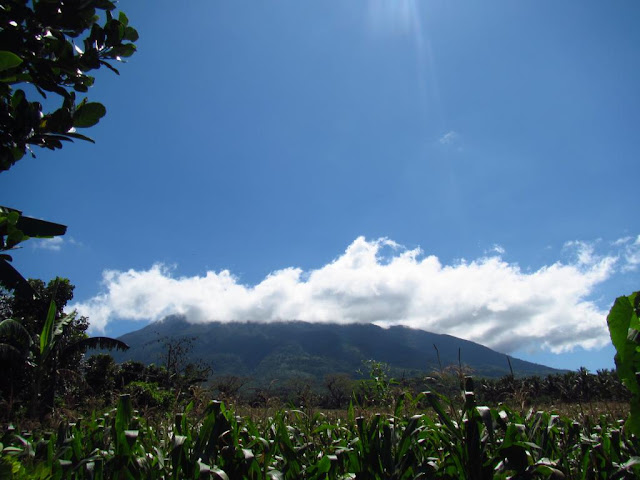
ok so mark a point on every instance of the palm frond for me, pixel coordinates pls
(11, 279)
(9, 352)
(103, 343)
(13, 329)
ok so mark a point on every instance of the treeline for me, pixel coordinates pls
(158, 388)
(381, 390)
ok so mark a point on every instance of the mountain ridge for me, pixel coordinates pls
(282, 350)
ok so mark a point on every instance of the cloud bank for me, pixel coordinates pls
(487, 300)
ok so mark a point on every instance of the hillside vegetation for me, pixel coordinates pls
(284, 350)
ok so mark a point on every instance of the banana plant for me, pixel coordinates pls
(17, 341)
(40, 354)
(624, 326)
(52, 351)
(15, 350)
(14, 229)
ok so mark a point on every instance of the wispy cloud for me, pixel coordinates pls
(53, 244)
(584, 252)
(496, 249)
(486, 300)
(622, 241)
(449, 138)
(631, 253)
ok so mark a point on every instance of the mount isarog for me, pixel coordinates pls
(282, 350)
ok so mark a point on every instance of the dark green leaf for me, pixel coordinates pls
(110, 67)
(619, 319)
(123, 50)
(8, 60)
(36, 228)
(123, 414)
(633, 422)
(12, 280)
(14, 237)
(131, 34)
(88, 115)
(79, 136)
(47, 330)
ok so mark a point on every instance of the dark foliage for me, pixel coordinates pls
(47, 49)
(42, 348)
(53, 46)
(284, 350)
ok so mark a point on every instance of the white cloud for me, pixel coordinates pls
(629, 248)
(497, 249)
(621, 241)
(631, 254)
(449, 138)
(54, 244)
(584, 252)
(451, 141)
(486, 300)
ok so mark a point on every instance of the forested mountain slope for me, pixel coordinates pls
(282, 350)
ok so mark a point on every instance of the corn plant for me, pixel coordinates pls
(442, 441)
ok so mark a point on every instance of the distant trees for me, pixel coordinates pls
(339, 388)
(229, 386)
(175, 380)
(152, 385)
(153, 388)
(570, 387)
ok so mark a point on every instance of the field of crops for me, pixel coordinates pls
(385, 433)
(437, 440)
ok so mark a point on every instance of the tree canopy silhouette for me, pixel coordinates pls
(48, 50)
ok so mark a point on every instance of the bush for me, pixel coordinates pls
(145, 395)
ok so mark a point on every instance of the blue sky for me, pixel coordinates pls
(465, 167)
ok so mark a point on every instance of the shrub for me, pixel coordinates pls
(145, 395)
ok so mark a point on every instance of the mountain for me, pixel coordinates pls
(282, 350)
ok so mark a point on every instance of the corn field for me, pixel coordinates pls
(438, 441)
(426, 436)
